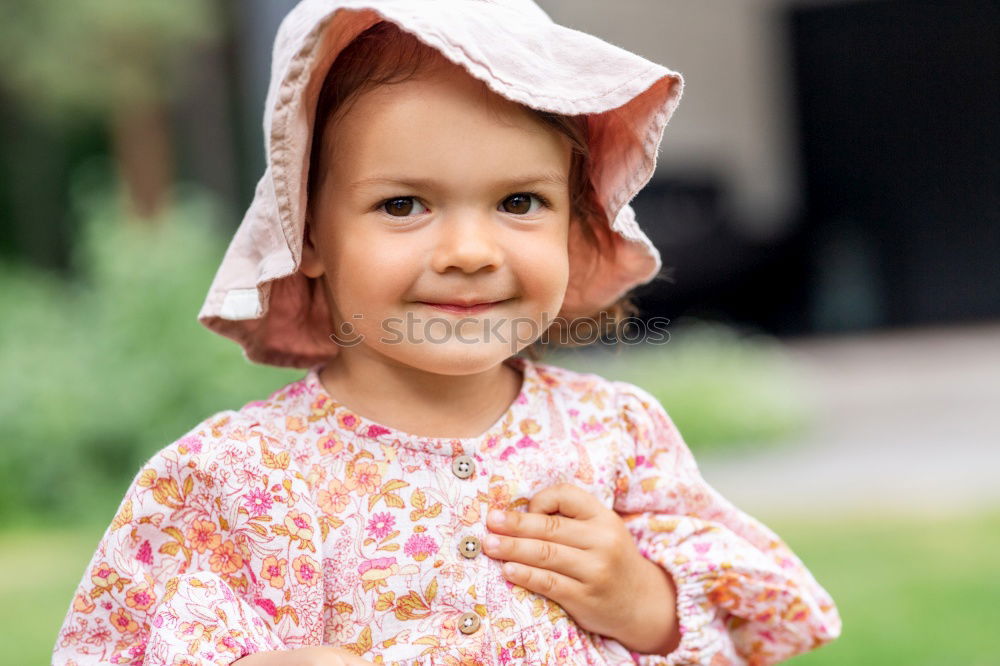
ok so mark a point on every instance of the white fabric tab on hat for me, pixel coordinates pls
(241, 304)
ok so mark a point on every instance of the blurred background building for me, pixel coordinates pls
(834, 165)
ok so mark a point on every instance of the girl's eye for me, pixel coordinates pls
(521, 203)
(516, 204)
(399, 207)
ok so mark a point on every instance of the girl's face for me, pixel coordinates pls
(437, 190)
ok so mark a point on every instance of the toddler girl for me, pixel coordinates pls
(444, 178)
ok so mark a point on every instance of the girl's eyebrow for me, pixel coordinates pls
(548, 178)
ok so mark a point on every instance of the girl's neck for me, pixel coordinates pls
(418, 402)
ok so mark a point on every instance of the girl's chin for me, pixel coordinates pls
(454, 358)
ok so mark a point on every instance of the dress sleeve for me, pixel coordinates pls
(743, 597)
(176, 577)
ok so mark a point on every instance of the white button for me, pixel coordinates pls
(470, 547)
(468, 623)
(463, 466)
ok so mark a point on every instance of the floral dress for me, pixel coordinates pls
(295, 522)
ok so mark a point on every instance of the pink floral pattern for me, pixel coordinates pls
(295, 522)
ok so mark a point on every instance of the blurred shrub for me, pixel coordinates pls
(722, 388)
(61, 59)
(101, 372)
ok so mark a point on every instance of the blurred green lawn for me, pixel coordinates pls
(911, 591)
(920, 591)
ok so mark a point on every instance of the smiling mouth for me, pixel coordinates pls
(462, 309)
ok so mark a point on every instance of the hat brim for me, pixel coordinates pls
(259, 298)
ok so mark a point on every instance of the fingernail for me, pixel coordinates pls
(496, 517)
(492, 542)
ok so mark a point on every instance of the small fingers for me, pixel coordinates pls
(547, 583)
(538, 553)
(567, 499)
(548, 527)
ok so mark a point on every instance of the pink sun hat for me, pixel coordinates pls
(279, 316)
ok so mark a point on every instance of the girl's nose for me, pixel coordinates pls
(468, 244)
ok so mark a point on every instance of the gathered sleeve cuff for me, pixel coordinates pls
(743, 597)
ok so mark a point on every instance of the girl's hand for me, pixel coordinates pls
(586, 560)
(309, 656)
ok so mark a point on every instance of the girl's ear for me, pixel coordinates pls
(311, 264)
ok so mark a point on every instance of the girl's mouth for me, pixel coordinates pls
(462, 309)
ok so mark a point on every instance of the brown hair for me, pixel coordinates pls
(383, 55)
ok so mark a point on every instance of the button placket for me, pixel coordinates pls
(464, 467)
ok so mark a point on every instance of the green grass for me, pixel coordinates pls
(920, 592)
(42, 571)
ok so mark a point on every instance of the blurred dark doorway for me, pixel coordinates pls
(898, 106)
(897, 103)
